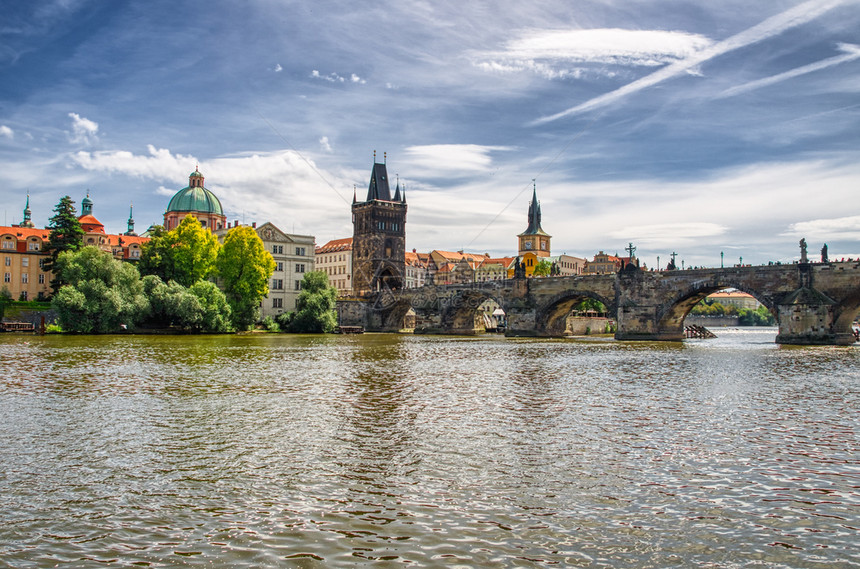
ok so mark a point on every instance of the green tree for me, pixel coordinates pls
(315, 305)
(199, 308)
(5, 300)
(543, 268)
(244, 267)
(102, 294)
(66, 235)
(156, 257)
(186, 254)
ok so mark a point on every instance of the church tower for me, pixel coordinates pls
(379, 235)
(534, 239)
(26, 222)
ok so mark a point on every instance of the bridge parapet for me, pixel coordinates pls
(813, 303)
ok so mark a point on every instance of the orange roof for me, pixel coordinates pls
(504, 261)
(24, 232)
(344, 244)
(91, 225)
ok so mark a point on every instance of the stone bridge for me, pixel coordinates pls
(814, 303)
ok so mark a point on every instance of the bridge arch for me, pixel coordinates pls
(551, 318)
(677, 307)
(460, 314)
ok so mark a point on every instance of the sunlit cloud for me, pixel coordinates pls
(843, 228)
(6, 132)
(84, 131)
(325, 144)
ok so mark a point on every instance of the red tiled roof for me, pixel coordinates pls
(24, 232)
(344, 244)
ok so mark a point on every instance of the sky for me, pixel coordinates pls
(719, 131)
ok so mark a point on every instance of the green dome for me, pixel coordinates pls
(197, 199)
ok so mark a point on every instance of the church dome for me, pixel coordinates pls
(195, 199)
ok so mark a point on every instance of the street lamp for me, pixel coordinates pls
(721, 259)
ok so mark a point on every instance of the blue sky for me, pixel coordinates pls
(687, 126)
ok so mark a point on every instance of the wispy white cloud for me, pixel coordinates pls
(84, 131)
(6, 132)
(451, 158)
(851, 52)
(278, 68)
(325, 144)
(550, 53)
(842, 228)
(772, 26)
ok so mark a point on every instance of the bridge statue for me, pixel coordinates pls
(803, 258)
(824, 258)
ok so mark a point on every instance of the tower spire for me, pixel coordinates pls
(26, 221)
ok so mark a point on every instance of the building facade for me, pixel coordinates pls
(335, 259)
(379, 236)
(23, 251)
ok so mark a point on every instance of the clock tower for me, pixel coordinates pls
(534, 239)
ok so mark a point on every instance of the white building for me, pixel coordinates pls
(335, 259)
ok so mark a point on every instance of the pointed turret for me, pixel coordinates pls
(534, 227)
(397, 197)
(130, 220)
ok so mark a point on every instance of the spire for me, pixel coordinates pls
(130, 220)
(354, 195)
(397, 197)
(27, 222)
(379, 188)
(534, 214)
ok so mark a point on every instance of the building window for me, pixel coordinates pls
(277, 303)
(8, 261)
(300, 251)
(25, 261)
(25, 278)
(298, 285)
(277, 284)
(7, 278)
(135, 253)
(33, 246)
(41, 278)
(278, 249)
(23, 295)
(300, 267)
(8, 243)
(280, 266)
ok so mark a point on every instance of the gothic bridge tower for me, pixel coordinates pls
(379, 236)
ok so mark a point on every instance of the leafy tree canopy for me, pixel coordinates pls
(543, 268)
(244, 267)
(200, 308)
(185, 254)
(102, 293)
(315, 306)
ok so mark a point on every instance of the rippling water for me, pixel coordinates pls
(333, 451)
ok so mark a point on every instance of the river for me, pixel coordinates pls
(427, 451)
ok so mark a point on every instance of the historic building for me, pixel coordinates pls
(196, 200)
(23, 251)
(293, 255)
(417, 269)
(335, 259)
(379, 236)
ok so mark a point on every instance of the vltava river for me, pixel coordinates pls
(427, 451)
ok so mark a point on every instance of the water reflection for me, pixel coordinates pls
(321, 451)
